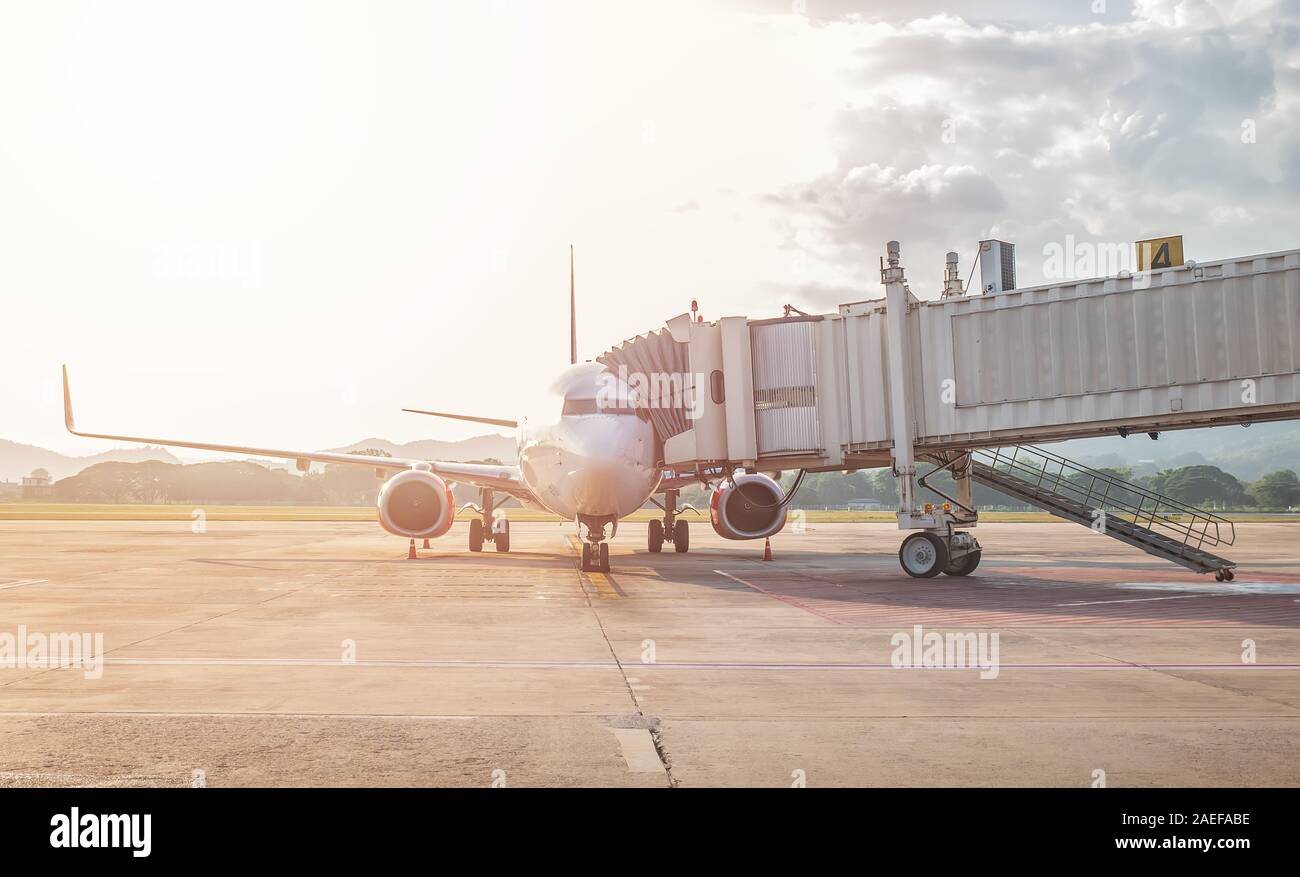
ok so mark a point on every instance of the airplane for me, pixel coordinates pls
(592, 457)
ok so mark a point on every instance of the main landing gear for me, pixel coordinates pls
(488, 526)
(595, 550)
(927, 553)
(669, 529)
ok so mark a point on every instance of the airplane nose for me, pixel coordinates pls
(597, 488)
(612, 479)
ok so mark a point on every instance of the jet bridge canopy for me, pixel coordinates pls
(1189, 346)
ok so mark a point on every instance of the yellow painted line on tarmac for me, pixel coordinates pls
(603, 584)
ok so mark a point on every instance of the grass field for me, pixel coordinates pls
(42, 511)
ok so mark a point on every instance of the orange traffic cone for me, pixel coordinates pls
(426, 543)
(767, 548)
(410, 553)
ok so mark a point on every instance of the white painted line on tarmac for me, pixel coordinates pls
(636, 682)
(1216, 588)
(335, 662)
(1135, 600)
(155, 714)
(22, 583)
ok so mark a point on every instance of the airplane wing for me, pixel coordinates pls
(492, 421)
(502, 477)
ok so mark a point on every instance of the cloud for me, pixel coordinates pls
(1178, 117)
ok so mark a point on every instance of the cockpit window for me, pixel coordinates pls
(602, 406)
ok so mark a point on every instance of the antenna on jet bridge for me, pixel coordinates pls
(573, 315)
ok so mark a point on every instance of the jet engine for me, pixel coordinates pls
(416, 504)
(744, 507)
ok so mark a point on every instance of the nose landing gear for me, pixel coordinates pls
(595, 550)
(595, 557)
(488, 526)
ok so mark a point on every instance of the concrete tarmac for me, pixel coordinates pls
(282, 654)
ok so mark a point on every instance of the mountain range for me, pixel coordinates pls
(18, 460)
(1247, 452)
(480, 447)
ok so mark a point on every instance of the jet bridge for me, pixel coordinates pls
(888, 381)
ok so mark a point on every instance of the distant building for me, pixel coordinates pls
(864, 505)
(10, 490)
(38, 485)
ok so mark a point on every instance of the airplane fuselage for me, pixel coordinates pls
(592, 459)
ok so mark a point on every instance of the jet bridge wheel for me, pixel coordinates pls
(964, 565)
(1223, 575)
(923, 555)
(655, 536)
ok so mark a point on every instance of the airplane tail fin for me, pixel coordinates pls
(573, 314)
(67, 404)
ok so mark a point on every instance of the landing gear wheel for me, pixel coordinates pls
(586, 556)
(923, 555)
(603, 557)
(655, 536)
(681, 537)
(501, 538)
(475, 534)
(963, 566)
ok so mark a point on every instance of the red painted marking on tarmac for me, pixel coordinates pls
(784, 599)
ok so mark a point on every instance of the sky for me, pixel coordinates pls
(280, 223)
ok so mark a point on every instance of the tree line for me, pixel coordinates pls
(249, 483)
(1203, 486)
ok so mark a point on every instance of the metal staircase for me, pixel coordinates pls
(1157, 524)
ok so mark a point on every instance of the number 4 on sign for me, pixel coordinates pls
(1159, 253)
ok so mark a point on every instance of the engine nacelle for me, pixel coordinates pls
(744, 509)
(416, 504)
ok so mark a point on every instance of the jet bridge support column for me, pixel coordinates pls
(937, 547)
(904, 460)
